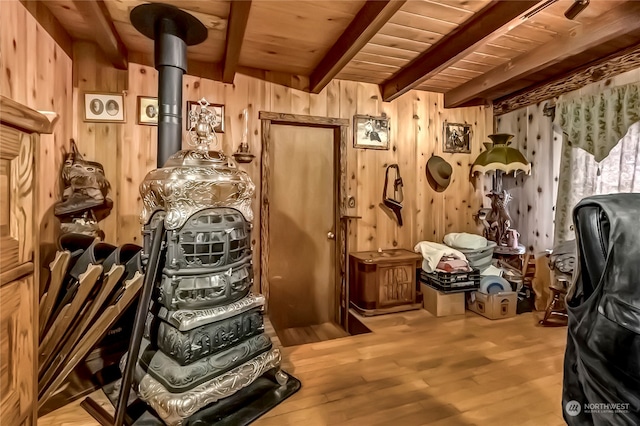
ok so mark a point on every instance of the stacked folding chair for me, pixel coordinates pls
(91, 285)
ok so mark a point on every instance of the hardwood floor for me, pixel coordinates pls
(315, 333)
(415, 369)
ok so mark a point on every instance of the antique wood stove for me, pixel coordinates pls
(204, 338)
(198, 353)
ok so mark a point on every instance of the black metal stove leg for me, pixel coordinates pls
(151, 275)
(150, 278)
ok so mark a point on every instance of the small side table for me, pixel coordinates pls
(383, 282)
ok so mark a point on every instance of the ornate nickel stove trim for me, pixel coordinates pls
(178, 378)
(174, 408)
(189, 346)
(192, 180)
(185, 319)
(184, 192)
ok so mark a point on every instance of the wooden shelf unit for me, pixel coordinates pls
(20, 129)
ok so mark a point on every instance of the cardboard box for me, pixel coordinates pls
(442, 304)
(493, 306)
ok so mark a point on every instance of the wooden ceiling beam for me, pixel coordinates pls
(238, 17)
(622, 61)
(97, 16)
(489, 23)
(369, 20)
(615, 23)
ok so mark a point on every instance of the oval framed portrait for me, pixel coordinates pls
(96, 106)
(112, 107)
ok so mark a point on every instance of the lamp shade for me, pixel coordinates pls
(500, 156)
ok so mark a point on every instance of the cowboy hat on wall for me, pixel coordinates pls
(438, 173)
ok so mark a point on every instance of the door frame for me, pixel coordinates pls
(339, 127)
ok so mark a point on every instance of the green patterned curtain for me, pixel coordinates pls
(594, 123)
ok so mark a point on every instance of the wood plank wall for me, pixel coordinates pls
(38, 73)
(533, 206)
(416, 134)
(43, 77)
(101, 142)
(534, 196)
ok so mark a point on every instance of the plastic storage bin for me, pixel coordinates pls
(448, 282)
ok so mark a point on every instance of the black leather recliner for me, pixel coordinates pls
(602, 360)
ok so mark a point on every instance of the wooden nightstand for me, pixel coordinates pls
(383, 282)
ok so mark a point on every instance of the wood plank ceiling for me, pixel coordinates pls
(474, 51)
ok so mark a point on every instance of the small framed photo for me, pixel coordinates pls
(104, 107)
(370, 132)
(457, 138)
(217, 108)
(148, 111)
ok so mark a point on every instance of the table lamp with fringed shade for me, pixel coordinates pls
(500, 158)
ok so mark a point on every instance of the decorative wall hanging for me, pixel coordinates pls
(394, 203)
(218, 110)
(457, 138)
(370, 132)
(104, 107)
(147, 111)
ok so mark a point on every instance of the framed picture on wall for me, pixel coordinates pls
(457, 138)
(104, 107)
(148, 110)
(370, 132)
(217, 108)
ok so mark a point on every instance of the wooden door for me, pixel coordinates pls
(302, 225)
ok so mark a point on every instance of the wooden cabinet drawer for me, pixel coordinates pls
(16, 197)
(397, 284)
(17, 352)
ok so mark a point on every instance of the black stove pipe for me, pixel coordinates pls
(171, 63)
(172, 29)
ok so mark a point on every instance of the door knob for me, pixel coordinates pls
(331, 235)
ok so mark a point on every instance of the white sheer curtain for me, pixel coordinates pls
(618, 172)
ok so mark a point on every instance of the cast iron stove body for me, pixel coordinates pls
(204, 338)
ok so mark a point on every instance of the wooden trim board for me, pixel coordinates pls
(340, 154)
